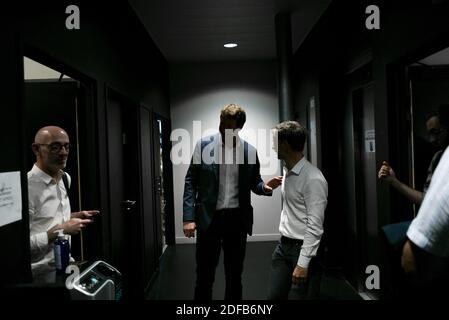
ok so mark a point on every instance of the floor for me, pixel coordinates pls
(175, 279)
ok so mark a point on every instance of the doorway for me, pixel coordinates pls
(53, 98)
(428, 80)
(157, 186)
(419, 84)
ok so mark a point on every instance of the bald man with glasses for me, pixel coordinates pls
(48, 201)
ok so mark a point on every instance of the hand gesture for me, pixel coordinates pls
(74, 225)
(386, 173)
(273, 183)
(86, 214)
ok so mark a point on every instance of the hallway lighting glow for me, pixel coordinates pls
(230, 45)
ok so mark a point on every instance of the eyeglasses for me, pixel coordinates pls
(56, 147)
(435, 132)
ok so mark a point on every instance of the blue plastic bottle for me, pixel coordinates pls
(62, 253)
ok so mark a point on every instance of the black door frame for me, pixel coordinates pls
(168, 179)
(149, 183)
(149, 219)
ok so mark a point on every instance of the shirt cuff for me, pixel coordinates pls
(303, 261)
(419, 239)
(263, 190)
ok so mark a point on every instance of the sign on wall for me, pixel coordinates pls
(10, 197)
(370, 141)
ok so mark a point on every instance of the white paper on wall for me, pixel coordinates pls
(370, 141)
(10, 197)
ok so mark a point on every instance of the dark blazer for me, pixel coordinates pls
(202, 183)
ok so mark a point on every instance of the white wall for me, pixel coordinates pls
(198, 92)
(34, 70)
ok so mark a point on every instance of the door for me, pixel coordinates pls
(359, 175)
(125, 232)
(365, 180)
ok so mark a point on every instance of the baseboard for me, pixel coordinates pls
(264, 237)
(253, 238)
(184, 240)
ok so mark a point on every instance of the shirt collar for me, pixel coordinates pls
(42, 175)
(298, 166)
(221, 143)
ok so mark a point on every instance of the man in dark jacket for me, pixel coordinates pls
(217, 202)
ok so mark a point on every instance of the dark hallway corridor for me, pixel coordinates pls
(359, 91)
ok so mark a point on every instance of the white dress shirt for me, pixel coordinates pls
(430, 229)
(49, 205)
(304, 195)
(228, 182)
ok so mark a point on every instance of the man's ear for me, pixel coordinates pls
(35, 148)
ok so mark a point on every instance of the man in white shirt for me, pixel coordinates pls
(304, 195)
(427, 250)
(48, 202)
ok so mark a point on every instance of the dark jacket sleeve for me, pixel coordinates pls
(256, 180)
(191, 186)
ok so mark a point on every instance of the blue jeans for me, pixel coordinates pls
(284, 260)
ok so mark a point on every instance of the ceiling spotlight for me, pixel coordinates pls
(230, 45)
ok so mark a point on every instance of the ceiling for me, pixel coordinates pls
(438, 58)
(196, 30)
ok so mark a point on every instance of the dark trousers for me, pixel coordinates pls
(431, 281)
(284, 260)
(226, 231)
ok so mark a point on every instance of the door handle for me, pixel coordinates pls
(128, 204)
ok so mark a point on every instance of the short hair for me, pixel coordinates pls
(442, 113)
(234, 112)
(431, 114)
(292, 132)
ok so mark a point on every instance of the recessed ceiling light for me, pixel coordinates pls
(230, 45)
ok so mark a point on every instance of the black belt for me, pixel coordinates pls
(287, 240)
(227, 210)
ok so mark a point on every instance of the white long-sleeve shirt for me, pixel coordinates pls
(228, 182)
(430, 229)
(49, 205)
(304, 195)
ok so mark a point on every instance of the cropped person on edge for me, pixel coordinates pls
(425, 255)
